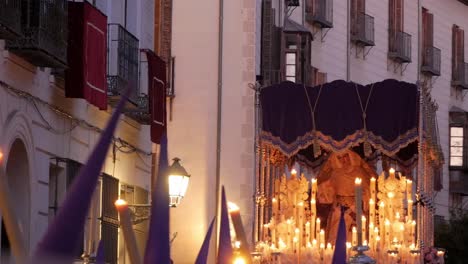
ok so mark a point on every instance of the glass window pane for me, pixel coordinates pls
(290, 70)
(456, 151)
(456, 141)
(456, 161)
(290, 58)
(456, 131)
(291, 78)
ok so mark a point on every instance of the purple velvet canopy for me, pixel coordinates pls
(391, 108)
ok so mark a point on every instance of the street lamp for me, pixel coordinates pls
(178, 182)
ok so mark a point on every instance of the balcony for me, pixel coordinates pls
(400, 47)
(431, 61)
(10, 22)
(320, 12)
(44, 33)
(122, 72)
(458, 182)
(362, 32)
(460, 76)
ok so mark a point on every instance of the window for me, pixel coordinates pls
(456, 146)
(291, 66)
(395, 21)
(431, 56)
(458, 54)
(358, 8)
(295, 50)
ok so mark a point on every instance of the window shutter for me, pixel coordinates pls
(430, 30)
(399, 15)
(109, 217)
(391, 25)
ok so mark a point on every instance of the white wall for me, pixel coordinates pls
(192, 132)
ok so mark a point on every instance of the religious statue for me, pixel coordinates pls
(336, 188)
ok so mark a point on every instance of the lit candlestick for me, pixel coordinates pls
(363, 227)
(289, 235)
(314, 243)
(275, 205)
(234, 212)
(410, 210)
(297, 238)
(371, 210)
(387, 233)
(409, 189)
(127, 231)
(322, 236)
(314, 188)
(382, 218)
(358, 191)
(372, 189)
(265, 232)
(371, 235)
(317, 229)
(354, 237)
(301, 221)
(307, 232)
(313, 217)
(412, 231)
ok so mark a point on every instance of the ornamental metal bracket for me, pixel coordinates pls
(140, 212)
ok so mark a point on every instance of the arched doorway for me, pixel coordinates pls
(18, 179)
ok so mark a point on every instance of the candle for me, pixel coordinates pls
(322, 236)
(371, 210)
(297, 239)
(236, 219)
(289, 235)
(274, 202)
(363, 227)
(412, 230)
(410, 210)
(313, 216)
(371, 235)
(358, 198)
(317, 229)
(354, 237)
(373, 193)
(382, 218)
(307, 232)
(127, 230)
(301, 222)
(314, 188)
(387, 233)
(409, 189)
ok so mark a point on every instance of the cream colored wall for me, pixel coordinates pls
(75, 144)
(192, 131)
(330, 56)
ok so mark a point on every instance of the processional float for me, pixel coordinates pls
(339, 135)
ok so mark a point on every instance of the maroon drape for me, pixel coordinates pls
(156, 94)
(86, 75)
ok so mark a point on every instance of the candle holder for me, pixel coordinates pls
(360, 257)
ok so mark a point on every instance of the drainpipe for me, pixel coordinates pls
(348, 41)
(218, 116)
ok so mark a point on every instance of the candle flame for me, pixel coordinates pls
(392, 170)
(312, 201)
(293, 171)
(322, 245)
(314, 180)
(377, 238)
(329, 246)
(387, 222)
(372, 179)
(307, 223)
(382, 204)
(354, 229)
(318, 220)
(371, 201)
(120, 202)
(413, 222)
(300, 204)
(358, 181)
(233, 207)
(1, 155)
(322, 232)
(296, 231)
(274, 200)
(348, 245)
(363, 218)
(409, 181)
(390, 195)
(237, 244)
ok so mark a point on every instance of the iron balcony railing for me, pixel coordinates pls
(122, 63)
(431, 61)
(320, 12)
(10, 19)
(400, 47)
(460, 76)
(44, 33)
(363, 31)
